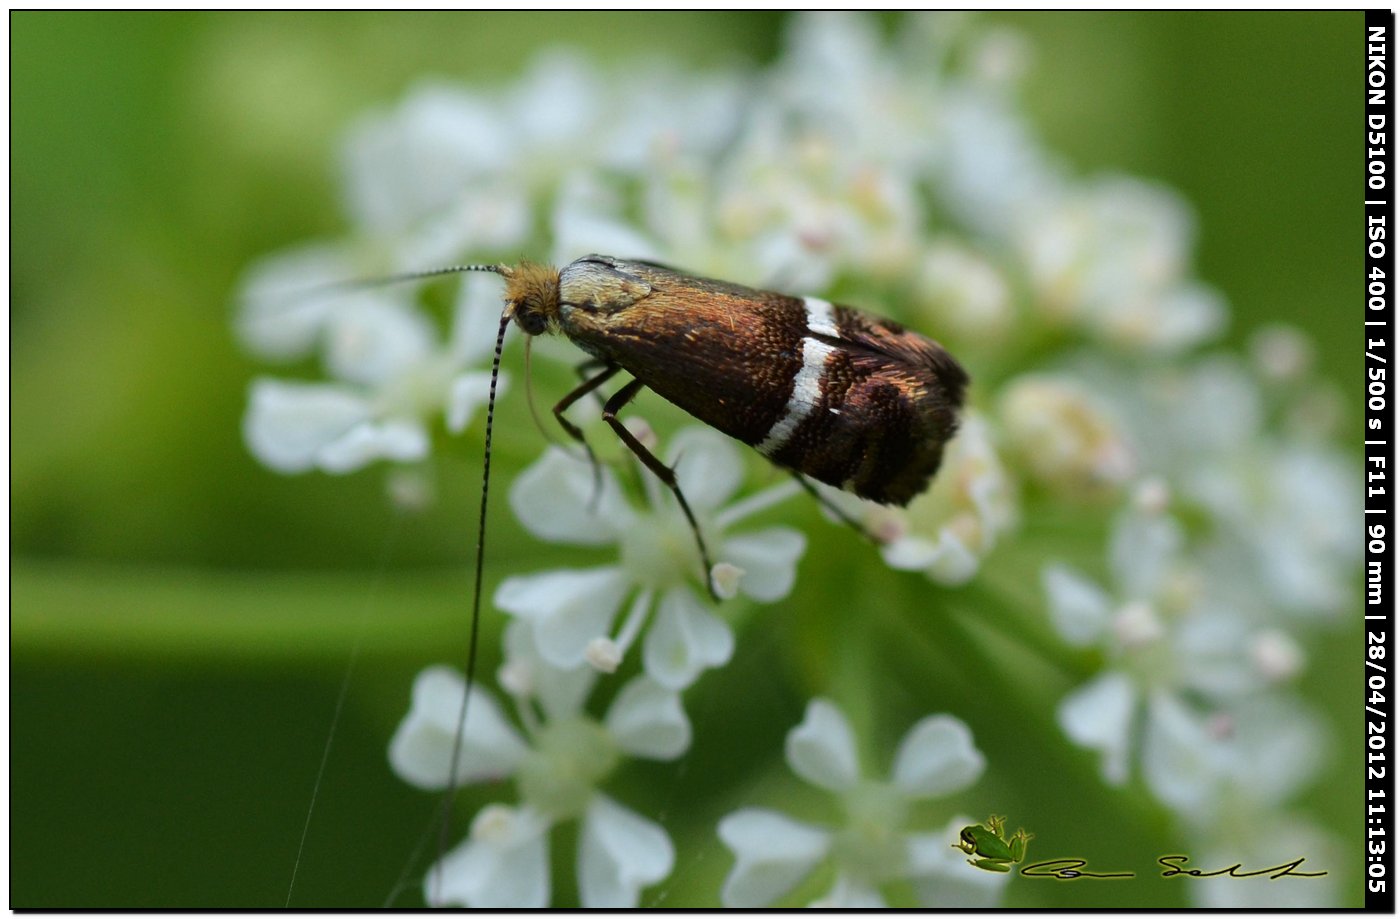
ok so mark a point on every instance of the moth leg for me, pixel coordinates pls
(663, 472)
(588, 385)
(830, 505)
(584, 368)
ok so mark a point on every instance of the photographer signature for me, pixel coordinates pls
(1073, 869)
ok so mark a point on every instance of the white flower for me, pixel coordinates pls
(1165, 641)
(664, 116)
(560, 500)
(946, 531)
(769, 223)
(1229, 776)
(990, 171)
(283, 301)
(505, 865)
(1111, 257)
(421, 179)
(962, 291)
(1278, 504)
(1241, 761)
(590, 217)
(773, 852)
(392, 377)
(557, 766)
(1063, 435)
(1305, 553)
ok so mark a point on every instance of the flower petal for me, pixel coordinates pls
(476, 318)
(708, 467)
(558, 499)
(585, 218)
(1142, 548)
(503, 865)
(1079, 608)
(1186, 315)
(684, 640)
(467, 393)
(1279, 745)
(945, 561)
(288, 424)
(408, 164)
(772, 854)
(560, 692)
(1212, 650)
(910, 553)
(937, 757)
(376, 341)
(421, 749)
(398, 440)
(769, 560)
(279, 315)
(1098, 715)
(1181, 762)
(619, 853)
(567, 609)
(647, 719)
(822, 748)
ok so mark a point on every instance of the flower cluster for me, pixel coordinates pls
(1227, 558)
(1198, 534)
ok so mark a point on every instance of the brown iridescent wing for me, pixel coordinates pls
(849, 399)
(722, 352)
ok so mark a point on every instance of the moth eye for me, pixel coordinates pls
(531, 322)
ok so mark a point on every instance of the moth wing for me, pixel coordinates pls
(899, 396)
(882, 342)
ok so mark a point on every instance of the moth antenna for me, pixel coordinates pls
(384, 281)
(294, 298)
(455, 760)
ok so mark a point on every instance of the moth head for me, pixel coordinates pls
(532, 296)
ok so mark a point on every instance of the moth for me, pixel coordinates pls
(829, 392)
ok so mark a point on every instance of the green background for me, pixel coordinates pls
(183, 620)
